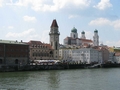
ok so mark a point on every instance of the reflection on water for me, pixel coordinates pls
(80, 79)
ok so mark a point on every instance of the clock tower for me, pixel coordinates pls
(54, 38)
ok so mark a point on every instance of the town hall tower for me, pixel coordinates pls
(54, 38)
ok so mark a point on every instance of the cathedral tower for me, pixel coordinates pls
(83, 35)
(54, 38)
(74, 33)
(96, 38)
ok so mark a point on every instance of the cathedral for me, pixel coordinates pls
(82, 41)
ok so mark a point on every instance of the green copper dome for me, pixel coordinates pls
(96, 31)
(74, 30)
(82, 32)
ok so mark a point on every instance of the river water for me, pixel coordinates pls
(76, 79)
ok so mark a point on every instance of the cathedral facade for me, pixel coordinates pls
(82, 41)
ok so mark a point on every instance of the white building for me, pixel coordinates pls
(86, 55)
(65, 54)
(117, 58)
(111, 57)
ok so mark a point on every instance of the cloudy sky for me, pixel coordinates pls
(31, 19)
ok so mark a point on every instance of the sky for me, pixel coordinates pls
(31, 19)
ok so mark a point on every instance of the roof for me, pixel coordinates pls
(96, 31)
(39, 43)
(86, 40)
(12, 42)
(82, 32)
(117, 54)
(35, 42)
(69, 38)
(48, 45)
(54, 23)
(74, 30)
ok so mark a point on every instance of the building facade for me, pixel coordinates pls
(40, 51)
(13, 53)
(86, 55)
(117, 58)
(65, 54)
(74, 40)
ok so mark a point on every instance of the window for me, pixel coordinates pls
(16, 61)
(0, 61)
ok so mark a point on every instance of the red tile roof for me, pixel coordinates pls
(86, 40)
(117, 54)
(48, 45)
(35, 42)
(54, 23)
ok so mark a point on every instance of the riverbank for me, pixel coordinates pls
(55, 67)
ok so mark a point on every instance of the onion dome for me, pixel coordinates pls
(82, 32)
(96, 31)
(74, 30)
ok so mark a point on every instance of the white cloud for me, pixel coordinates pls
(89, 34)
(104, 21)
(53, 5)
(28, 35)
(29, 19)
(113, 43)
(22, 34)
(100, 22)
(116, 24)
(103, 4)
(73, 16)
(1, 3)
(10, 27)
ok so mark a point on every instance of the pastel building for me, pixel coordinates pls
(65, 54)
(40, 51)
(86, 55)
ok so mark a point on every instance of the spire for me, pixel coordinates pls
(54, 23)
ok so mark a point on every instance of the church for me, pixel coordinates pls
(82, 41)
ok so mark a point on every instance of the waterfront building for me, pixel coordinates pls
(105, 53)
(87, 55)
(13, 53)
(111, 57)
(40, 51)
(54, 39)
(65, 54)
(117, 57)
(75, 40)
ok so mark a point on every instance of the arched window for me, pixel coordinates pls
(74, 35)
(16, 61)
(51, 52)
